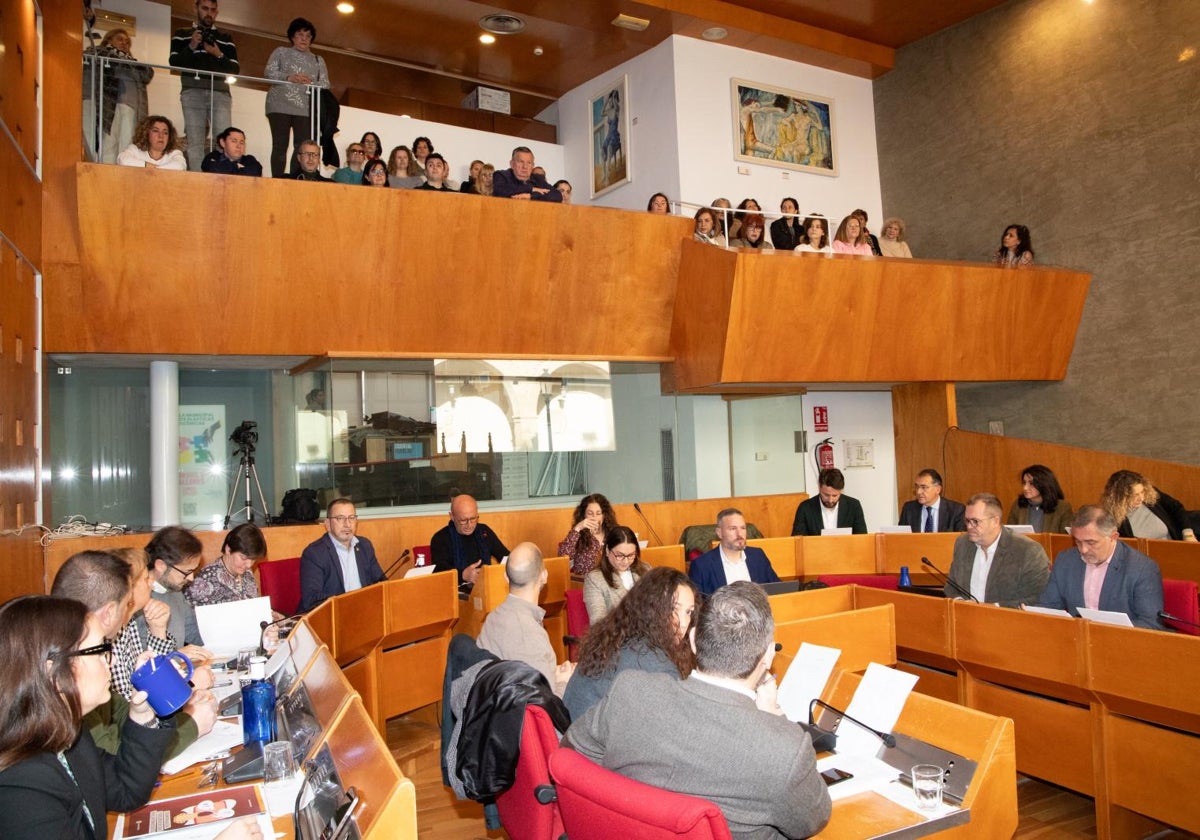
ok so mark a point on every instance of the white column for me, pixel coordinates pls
(164, 443)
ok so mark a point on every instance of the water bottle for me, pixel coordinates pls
(905, 580)
(258, 705)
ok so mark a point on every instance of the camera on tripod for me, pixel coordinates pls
(245, 435)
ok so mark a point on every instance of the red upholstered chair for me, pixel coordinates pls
(425, 551)
(876, 581)
(1180, 600)
(527, 809)
(598, 804)
(577, 621)
(279, 580)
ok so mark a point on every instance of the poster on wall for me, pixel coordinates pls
(203, 475)
(785, 128)
(609, 114)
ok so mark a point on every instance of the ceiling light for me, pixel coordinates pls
(538, 51)
(714, 33)
(487, 38)
(501, 24)
(345, 8)
(636, 24)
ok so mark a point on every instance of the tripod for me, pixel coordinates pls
(246, 471)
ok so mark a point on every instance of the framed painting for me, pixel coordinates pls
(608, 111)
(785, 128)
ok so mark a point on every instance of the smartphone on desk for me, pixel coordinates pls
(832, 776)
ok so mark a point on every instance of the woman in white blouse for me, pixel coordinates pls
(155, 145)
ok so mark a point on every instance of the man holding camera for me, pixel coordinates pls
(203, 47)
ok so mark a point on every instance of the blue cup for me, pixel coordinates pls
(167, 689)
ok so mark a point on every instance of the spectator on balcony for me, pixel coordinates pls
(753, 234)
(706, 228)
(422, 147)
(123, 95)
(720, 216)
(372, 145)
(735, 224)
(156, 145)
(892, 244)
(289, 106)
(308, 156)
(468, 186)
(204, 96)
(872, 240)
(519, 182)
(435, 174)
(375, 174)
(486, 182)
(816, 239)
(786, 231)
(232, 158)
(1016, 248)
(564, 189)
(850, 238)
(659, 205)
(351, 173)
(402, 170)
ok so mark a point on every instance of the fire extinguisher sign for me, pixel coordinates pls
(820, 418)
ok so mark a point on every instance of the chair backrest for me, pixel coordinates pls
(521, 814)
(1180, 600)
(577, 620)
(279, 580)
(598, 804)
(419, 551)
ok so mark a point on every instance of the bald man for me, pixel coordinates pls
(465, 544)
(514, 629)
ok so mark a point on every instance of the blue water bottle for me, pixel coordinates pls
(258, 705)
(905, 580)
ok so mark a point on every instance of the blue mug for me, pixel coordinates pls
(167, 689)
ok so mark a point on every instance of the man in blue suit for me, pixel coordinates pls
(731, 560)
(1103, 573)
(338, 562)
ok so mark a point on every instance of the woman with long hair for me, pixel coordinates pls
(619, 568)
(372, 145)
(54, 780)
(816, 235)
(584, 543)
(1016, 248)
(124, 96)
(402, 169)
(1142, 510)
(851, 237)
(648, 631)
(155, 144)
(1041, 503)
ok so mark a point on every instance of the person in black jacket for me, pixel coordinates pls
(232, 158)
(830, 508)
(787, 232)
(1142, 510)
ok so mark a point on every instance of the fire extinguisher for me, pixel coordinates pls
(824, 455)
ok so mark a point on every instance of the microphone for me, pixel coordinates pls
(262, 630)
(945, 578)
(399, 561)
(653, 533)
(1163, 615)
(828, 738)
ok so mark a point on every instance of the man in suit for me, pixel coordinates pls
(742, 754)
(731, 560)
(829, 509)
(338, 562)
(930, 512)
(1103, 573)
(992, 563)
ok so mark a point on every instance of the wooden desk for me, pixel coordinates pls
(811, 602)
(412, 656)
(665, 555)
(863, 636)
(895, 550)
(924, 638)
(781, 551)
(853, 554)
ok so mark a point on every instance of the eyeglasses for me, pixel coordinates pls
(308, 154)
(616, 556)
(924, 486)
(975, 523)
(467, 520)
(342, 520)
(355, 152)
(189, 574)
(103, 649)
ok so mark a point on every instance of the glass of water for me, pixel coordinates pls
(927, 782)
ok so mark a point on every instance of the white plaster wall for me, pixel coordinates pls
(764, 450)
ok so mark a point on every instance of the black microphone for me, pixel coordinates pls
(945, 578)
(1163, 615)
(830, 742)
(262, 630)
(400, 560)
(653, 533)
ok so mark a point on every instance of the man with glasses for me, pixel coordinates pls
(205, 99)
(992, 563)
(351, 173)
(929, 512)
(339, 562)
(308, 155)
(174, 556)
(465, 544)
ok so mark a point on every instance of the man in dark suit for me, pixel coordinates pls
(1103, 573)
(639, 729)
(930, 512)
(731, 560)
(992, 563)
(829, 509)
(338, 562)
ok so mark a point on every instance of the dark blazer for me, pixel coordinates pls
(1169, 510)
(950, 515)
(785, 237)
(1132, 585)
(321, 572)
(216, 162)
(1020, 569)
(808, 521)
(708, 574)
(506, 185)
(1052, 523)
(38, 800)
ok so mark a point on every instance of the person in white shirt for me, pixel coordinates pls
(155, 145)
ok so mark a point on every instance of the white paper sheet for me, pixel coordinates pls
(1120, 619)
(227, 628)
(805, 679)
(869, 773)
(419, 571)
(1046, 611)
(895, 529)
(281, 796)
(224, 736)
(878, 702)
(836, 532)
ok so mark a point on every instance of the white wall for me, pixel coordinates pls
(764, 449)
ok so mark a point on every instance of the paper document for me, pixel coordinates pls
(895, 529)
(224, 736)
(1120, 619)
(878, 702)
(1046, 611)
(227, 628)
(419, 571)
(836, 532)
(805, 679)
(869, 773)
(1020, 529)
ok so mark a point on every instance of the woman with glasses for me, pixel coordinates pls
(619, 568)
(646, 631)
(375, 174)
(231, 577)
(54, 781)
(289, 105)
(752, 234)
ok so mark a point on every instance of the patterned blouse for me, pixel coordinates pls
(583, 558)
(215, 585)
(132, 641)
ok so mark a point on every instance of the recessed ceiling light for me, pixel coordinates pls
(501, 24)
(487, 38)
(345, 8)
(714, 33)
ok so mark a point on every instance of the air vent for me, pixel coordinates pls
(502, 24)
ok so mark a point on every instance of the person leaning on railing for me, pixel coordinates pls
(211, 51)
(289, 106)
(231, 159)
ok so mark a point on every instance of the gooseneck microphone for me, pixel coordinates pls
(889, 740)
(946, 579)
(262, 630)
(653, 533)
(398, 562)
(1163, 615)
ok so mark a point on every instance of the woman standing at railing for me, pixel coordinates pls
(123, 92)
(288, 106)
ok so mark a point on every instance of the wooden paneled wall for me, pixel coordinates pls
(19, 63)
